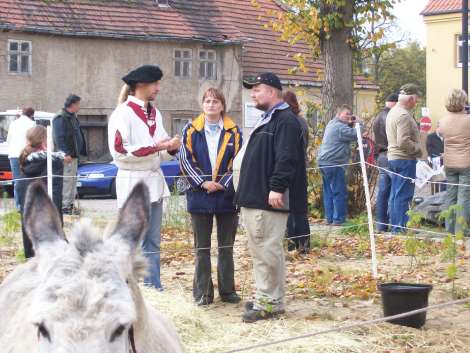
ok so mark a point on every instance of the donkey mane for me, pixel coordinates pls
(87, 240)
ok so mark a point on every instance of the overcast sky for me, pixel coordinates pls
(409, 20)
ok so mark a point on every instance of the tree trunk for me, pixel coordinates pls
(338, 59)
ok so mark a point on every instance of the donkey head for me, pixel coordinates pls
(83, 302)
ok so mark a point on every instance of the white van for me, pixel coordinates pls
(43, 118)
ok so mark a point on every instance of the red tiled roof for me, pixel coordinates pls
(435, 7)
(142, 19)
(214, 21)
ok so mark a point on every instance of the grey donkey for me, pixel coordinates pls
(81, 295)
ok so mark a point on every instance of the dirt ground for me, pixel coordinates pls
(329, 287)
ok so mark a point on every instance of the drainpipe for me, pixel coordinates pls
(465, 45)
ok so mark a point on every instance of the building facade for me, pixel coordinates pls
(443, 19)
(56, 66)
(49, 50)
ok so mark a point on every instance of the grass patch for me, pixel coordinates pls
(6, 241)
(356, 226)
(20, 257)
(175, 215)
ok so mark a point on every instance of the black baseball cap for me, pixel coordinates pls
(393, 97)
(266, 78)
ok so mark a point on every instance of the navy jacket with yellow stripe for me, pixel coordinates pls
(196, 166)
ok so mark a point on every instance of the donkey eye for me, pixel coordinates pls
(117, 333)
(43, 332)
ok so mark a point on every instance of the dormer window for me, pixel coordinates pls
(163, 3)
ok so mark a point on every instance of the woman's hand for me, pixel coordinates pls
(211, 186)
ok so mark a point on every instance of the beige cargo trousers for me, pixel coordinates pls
(266, 231)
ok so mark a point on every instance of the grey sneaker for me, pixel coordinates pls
(253, 315)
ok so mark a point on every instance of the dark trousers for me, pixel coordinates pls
(298, 231)
(226, 229)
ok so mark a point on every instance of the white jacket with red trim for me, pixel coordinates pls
(132, 135)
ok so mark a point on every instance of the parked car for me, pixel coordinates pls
(99, 178)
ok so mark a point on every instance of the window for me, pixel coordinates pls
(178, 124)
(94, 128)
(183, 60)
(19, 57)
(163, 3)
(207, 64)
(460, 51)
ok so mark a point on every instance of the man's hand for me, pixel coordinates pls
(162, 145)
(67, 159)
(210, 186)
(275, 199)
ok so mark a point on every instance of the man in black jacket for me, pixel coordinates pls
(68, 138)
(435, 144)
(272, 181)
(385, 180)
(435, 148)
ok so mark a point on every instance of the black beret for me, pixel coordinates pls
(144, 74)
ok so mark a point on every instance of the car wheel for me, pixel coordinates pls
(113, 189)
(181, 185)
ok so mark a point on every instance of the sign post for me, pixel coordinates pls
(425, 124)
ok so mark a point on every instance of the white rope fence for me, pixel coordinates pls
(370, 223)
(362, 163)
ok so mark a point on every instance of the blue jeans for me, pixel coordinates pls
(16, 171)
(458, 195)
(401, 193)
(335, 194)
(383, 194)
(151, 246)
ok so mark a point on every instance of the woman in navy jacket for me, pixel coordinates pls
(210, 143)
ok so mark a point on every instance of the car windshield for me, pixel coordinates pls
(5, 122)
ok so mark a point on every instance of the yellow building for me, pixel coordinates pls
(443, 21)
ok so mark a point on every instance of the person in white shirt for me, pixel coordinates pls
(138, 143)
(16, 140)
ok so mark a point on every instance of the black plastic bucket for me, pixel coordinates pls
(398, 298)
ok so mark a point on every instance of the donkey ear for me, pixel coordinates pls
(40, 217)
(134, 215)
